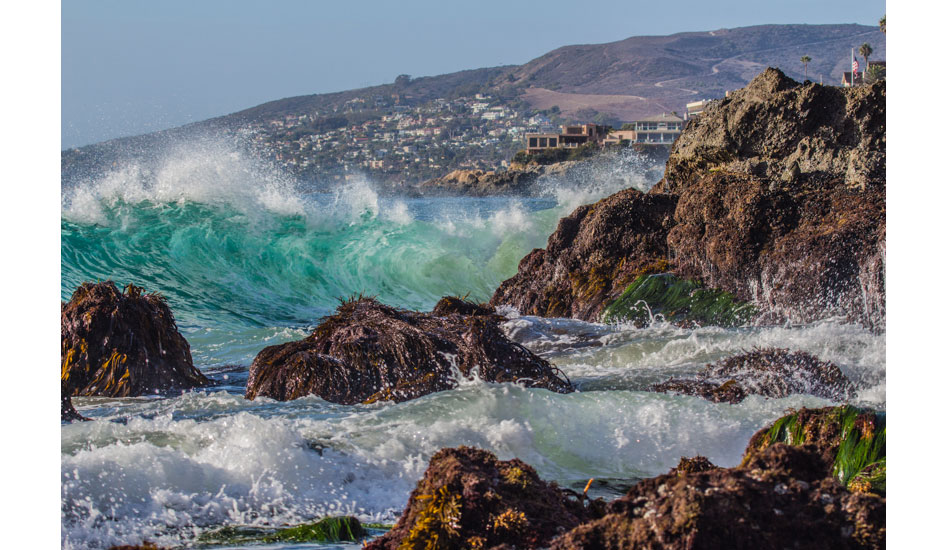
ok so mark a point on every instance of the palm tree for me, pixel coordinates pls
(806, 60)
(865, 50)
(882, 24)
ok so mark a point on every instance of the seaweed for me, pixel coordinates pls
(855, 440)
(678, 300)
(332, 529)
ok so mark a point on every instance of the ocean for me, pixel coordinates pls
(249, 257)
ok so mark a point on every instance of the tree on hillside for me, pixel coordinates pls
(865, 50)
(806, 59)
(882, 24)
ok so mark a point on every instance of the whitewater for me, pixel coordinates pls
(249, 257)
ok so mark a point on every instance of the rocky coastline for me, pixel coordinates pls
(775, 195)
(771, 209)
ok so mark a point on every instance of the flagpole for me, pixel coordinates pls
(852, 67)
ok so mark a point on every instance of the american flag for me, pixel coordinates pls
(854, 64)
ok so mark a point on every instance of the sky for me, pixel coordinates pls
(131, 67)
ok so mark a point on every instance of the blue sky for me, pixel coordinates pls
(131, 66)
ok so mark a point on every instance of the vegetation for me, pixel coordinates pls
(856, 437)
(806, 59)
(874, 73)
(865, 50)
(882, 24)
(335, 529)
(677, 300)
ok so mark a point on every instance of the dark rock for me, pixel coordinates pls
(368, 351)
(68, 413)
(781, 498)
(470, 499)
(450, 304)
(693, 465)
(592, 256)
(123, 344)
(778, 195)
(769, 372)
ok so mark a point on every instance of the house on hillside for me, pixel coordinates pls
(571, 136)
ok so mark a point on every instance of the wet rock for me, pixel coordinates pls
(592, 256)
(777, 196)
(368, 351)
(123, 344)
(68, 413)
(851, 442)
(781, 498)
(470, 499)
(782, 199)
(770, 372)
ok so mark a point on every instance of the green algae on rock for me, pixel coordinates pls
(679, 301)
(852, 441)
(332, 529)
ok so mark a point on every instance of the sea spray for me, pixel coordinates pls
(180, 466)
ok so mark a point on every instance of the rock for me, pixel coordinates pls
(470, 499)
(123, 344)
(782, 199)
(770, 372)
(693, 465)
(777, 196)
(368, 352)
(68, 413)
(781, 498)
(481, 183)
(450, 304)
(592, 256)
(852, 443)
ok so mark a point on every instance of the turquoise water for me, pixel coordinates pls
(248, 258)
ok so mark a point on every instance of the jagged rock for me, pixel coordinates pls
(782, 199)
(769, 372)
(781, 498)
(592, 256)
(368, 351)
(122, 344)
(470, 499)
(778, 195)
(852, 443)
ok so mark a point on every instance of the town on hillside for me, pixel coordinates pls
(399, 142)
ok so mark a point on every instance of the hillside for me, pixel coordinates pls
(418, 128)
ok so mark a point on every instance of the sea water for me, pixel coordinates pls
(248, 257)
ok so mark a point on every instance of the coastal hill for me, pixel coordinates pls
(415, 129)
